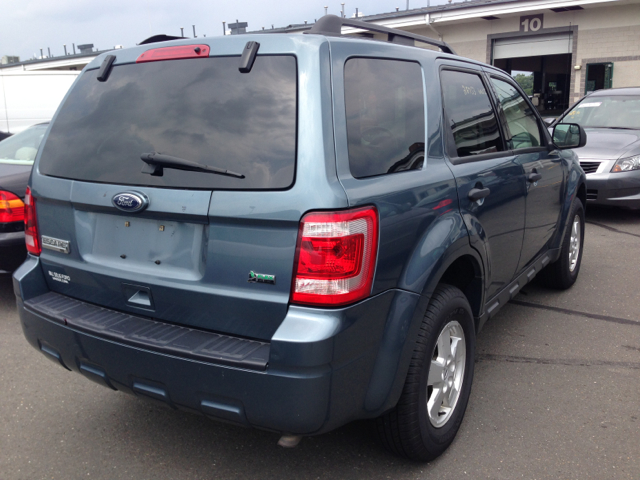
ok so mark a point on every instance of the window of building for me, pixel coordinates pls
(598, 76)
(470, 114)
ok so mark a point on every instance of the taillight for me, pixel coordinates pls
(174, 53)
(335, 257)
(31, 224)
(11, 208)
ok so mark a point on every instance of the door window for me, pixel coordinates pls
(385, 116)
(470, 114)
(523, 130)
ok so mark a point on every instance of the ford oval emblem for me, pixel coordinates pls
(130, 201)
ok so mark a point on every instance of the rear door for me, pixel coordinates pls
(543, 168)
(491, 184)
(188, 254)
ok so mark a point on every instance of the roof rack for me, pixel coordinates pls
(331, 25)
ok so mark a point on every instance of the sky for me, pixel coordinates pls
(26, 26)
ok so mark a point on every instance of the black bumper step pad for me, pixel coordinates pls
(150, 334)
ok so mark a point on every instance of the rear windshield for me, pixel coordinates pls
(202, 110)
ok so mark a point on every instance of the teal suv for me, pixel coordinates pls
(291, 232)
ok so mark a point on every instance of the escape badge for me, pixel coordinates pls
(261, 278)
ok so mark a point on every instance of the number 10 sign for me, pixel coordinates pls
(531, 23)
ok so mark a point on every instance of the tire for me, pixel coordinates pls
(563, 273)
(409, 430)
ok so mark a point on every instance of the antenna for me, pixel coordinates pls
(325, 9)
(224, 28)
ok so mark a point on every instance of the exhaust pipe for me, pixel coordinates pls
(289, 441)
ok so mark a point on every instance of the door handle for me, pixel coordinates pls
(141, 298)
(476, 194)
(534, 177)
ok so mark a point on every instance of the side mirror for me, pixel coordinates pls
(569, 135)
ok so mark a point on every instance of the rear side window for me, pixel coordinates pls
(202, 110)
(470, 114)
(385, 116)
(522, 125)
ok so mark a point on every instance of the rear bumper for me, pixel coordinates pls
(321, 373)
(620, 189)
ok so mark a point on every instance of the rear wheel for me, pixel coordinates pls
(563, 273)
(435, 395)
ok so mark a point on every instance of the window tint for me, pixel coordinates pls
(202, 109)
(385, 116)
(522, 125)
(470, 114)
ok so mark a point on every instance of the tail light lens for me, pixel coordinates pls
(31, 225)
(11, 208)
(174, 53)
(335, 257)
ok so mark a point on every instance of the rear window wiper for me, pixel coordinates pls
(156, 162)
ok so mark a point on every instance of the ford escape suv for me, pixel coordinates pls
(291, 232)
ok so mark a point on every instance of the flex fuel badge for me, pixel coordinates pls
(59, 277)
(261, 278)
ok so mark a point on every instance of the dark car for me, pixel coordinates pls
(291, 232)
(611, 157)
(17, 154)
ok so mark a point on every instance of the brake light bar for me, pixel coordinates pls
(174, 53)
(11, 208)
(335, 257)
(31, 224)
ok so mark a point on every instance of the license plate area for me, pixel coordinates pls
(151, 246)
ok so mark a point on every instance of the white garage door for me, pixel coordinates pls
(532, 46)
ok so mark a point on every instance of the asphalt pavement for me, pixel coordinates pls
(556, 394)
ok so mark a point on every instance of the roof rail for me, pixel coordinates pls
(331, 25)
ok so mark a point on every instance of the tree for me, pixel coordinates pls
(526, 82)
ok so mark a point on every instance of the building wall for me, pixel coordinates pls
(606, 33)
(627, 73)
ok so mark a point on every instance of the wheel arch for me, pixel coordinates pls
(460, 266)
(465, 273)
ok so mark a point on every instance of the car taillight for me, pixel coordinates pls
(11, 208)
(174, 53)
(335, 257)
(31, 225)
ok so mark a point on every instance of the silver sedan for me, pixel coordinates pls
(611, 157)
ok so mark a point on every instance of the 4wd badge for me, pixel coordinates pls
(261, 278)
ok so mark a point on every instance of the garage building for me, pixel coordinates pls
(557, 49)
